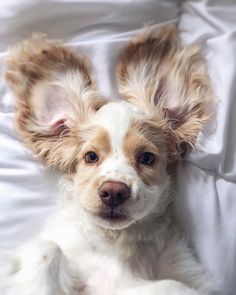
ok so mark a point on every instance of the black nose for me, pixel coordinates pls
(114, 193)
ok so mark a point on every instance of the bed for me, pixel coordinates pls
(205, 202)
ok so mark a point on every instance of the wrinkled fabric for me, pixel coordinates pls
(205, 202)
(206, 191)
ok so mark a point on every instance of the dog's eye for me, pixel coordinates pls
(91, 157)
(146, 158)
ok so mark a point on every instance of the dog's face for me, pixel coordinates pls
(114, 153)
(121, 173)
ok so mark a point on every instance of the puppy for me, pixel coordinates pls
(113, 234)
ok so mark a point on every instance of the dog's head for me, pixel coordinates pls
(114, 153)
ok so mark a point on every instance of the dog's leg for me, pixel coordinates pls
(41, 269)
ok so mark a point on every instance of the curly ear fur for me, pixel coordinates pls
(55, 92)
(169, 82)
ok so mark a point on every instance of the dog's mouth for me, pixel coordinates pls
(113, 220)
(113, 216)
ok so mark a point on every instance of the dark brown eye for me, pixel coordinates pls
(146, 158)
(91, 157)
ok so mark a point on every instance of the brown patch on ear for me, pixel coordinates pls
(170, 83)
(37, 59)
(33, 66)
(139, 62)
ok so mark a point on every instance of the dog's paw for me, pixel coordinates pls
(39, 268)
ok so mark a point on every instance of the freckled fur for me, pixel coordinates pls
(154, 69)
(31, 66)
(96, 139)
(167, 92)
(144, 136)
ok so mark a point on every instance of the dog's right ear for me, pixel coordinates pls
(55, 94)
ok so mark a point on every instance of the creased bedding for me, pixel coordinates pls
(205, 202)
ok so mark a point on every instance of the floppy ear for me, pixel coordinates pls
(55, 93)
(169, 82)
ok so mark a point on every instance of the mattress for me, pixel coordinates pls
(205, 200)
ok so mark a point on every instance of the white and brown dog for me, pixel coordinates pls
(114, 234)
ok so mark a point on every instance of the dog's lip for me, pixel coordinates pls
(112, 215)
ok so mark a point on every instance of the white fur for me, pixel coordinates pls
(77, 254)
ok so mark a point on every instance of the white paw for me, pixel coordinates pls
(42, 270)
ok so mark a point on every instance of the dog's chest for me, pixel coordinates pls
(101, 273)
(119, 267)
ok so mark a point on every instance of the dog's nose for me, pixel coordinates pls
(114, 193)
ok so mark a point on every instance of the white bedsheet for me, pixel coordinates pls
(206, 191)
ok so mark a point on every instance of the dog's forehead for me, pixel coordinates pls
(116, 118)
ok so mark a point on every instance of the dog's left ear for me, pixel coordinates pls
(169, 82)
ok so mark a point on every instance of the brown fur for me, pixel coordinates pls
(30, 65)
(152, 69)
(145, 137)
(155, 68)
(95, 138)
(38, 59)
